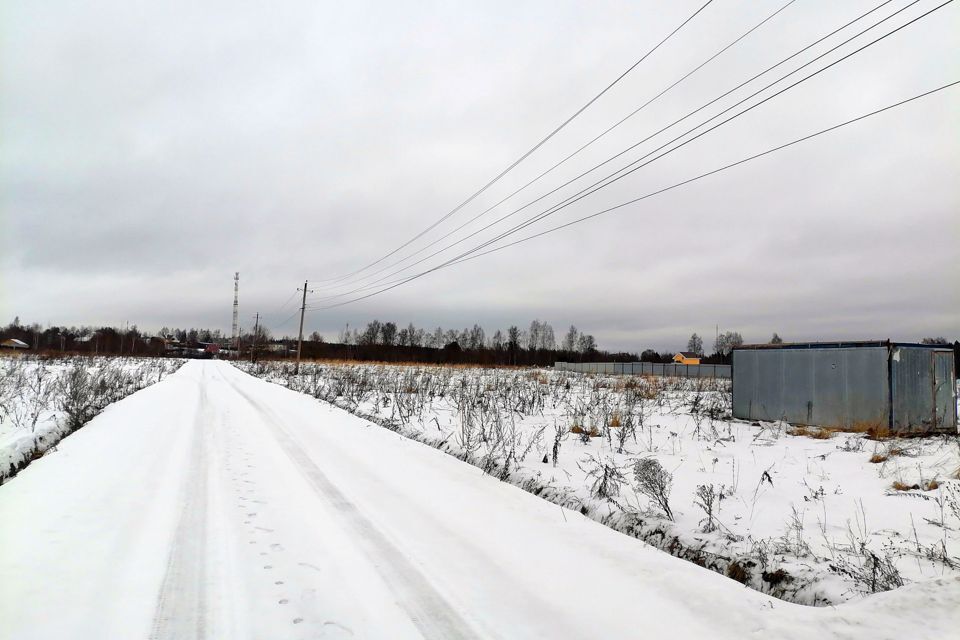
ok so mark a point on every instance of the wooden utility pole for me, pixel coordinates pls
(253, 347)
(303, 308)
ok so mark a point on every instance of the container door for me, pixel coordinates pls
(944, 391)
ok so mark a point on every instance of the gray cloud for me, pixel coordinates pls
(150, 151)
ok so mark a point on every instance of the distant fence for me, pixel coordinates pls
(647, 369)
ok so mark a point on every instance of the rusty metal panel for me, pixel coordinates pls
(867, 394)
(911, 373)
(945, 381)
(924, 389)
(828, 387)
(745, 384)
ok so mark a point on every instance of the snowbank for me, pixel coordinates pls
(44, 400)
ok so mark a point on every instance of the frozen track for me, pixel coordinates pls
(214, 505)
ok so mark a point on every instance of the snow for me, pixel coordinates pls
(32, 391)
(818, 510)
(213, 504)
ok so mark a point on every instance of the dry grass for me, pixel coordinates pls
(817, 433)
(902, 486)
(615, 420)
(933, 485)
(738, 572)
(887, 453)
(593, 432)
(539, 376)
(874, 430)
(404, 363)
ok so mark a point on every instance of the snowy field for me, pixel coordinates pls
(216, 505)
(44, 400)
(811, 517)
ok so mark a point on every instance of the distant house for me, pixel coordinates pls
(13, 343)
(687, 357)
(209, 347)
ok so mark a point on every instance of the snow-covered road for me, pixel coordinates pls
(216, 505)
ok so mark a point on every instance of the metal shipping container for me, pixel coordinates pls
(908, 387)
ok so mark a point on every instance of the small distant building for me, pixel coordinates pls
(687, 357)
(909, 388)
(212, 348)
(13, 343)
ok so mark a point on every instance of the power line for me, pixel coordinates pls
(582, 193)
(464, 258)
(613, 177)
(587, 144)
(713, 172)
(284, 305)
(527, 153)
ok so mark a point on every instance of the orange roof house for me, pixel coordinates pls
(687, 357)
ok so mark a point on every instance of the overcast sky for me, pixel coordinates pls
(150, 149)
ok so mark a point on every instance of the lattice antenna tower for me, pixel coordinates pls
(236, 294)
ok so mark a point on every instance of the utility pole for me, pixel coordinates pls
(253, 347)
(303, 308)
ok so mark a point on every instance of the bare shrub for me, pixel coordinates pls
(708, 499)
(559, 435)
(607, 476)
(655, 482)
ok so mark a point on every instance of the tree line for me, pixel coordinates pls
(534, 345)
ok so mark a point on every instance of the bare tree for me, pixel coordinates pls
(477, 337)
(695, 344)
(388, 333)
(571, 339)
(547, 339)
(371, 335)
(586, 344)
(726, 342)
(411, 340)
(776, 339)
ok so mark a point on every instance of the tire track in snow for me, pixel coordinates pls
(429, 611)
(181, 605)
